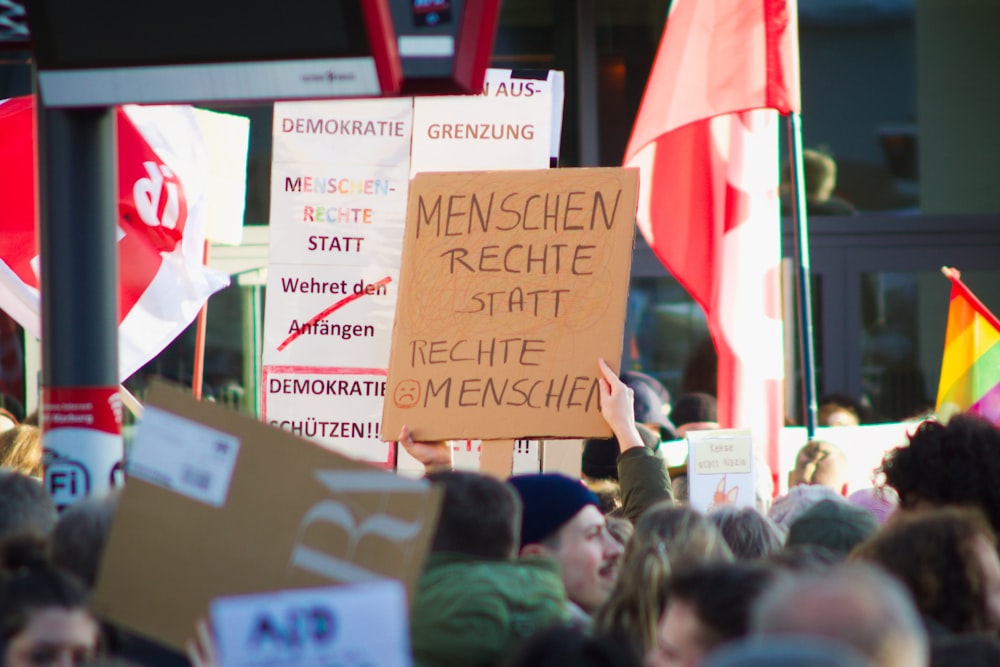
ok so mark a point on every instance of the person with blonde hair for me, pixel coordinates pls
(666, 538)
(820, 462)
(21, 450)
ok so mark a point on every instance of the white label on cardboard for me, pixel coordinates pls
(183, 456)
(359, 624)
(720, 469)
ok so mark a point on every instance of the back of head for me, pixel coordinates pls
(880, 502)
(21, 449)
(666, 538)
(934, 555)
(820, 172)
(684, 535)
(721, 595)
(27, 506)
(480, 516)
(785, 652)
(953, 464)
(29, 583)
(694, 408)
(836, 412)
(748, 533)
(77, 541)
(820, 462)
(787, 508)
(834, 525)
(548, 502)
(855, 604)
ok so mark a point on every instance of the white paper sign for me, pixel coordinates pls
(344, 215)
(184, 456)
(509, 126)
(341, 626)
(339, 184)
(339, 316)
(864, 447)
(339, 408)
(720, 469)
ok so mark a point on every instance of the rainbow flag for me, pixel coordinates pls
(970, 367)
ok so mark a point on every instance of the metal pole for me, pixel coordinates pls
(807, 358)
(81, 407)
(586, 80)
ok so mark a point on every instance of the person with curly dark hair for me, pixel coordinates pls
(948, 560)
(953, 464)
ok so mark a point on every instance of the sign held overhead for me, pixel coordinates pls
(512, 285)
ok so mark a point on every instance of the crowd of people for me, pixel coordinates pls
(614, 568)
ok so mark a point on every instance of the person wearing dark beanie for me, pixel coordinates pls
(550, 501)
(561, 518)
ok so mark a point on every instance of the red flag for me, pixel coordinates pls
(162, 197)
(706, 144)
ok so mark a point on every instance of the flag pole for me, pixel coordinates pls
(198, 372)
(800, 217)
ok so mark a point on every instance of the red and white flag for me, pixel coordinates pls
(706, 144)
(163, 193)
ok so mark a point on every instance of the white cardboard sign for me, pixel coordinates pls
(720, 469)
(355, 625)
(509, 126)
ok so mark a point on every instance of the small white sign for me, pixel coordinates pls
(509, 126)
(720, 469)
(338, 626)
(183, 456)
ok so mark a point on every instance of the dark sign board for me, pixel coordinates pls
(238, 51)
(121, 51)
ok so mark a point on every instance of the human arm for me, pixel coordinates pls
(616, 408)
(435, 456)
(641, 474)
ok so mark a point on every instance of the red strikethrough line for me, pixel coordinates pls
(316, 318)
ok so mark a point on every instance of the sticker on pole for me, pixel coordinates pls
(184, 456)
(81, 435)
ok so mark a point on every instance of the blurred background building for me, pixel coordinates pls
(901, 93)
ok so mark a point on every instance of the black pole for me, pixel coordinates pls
(81, 411)
(802, 272)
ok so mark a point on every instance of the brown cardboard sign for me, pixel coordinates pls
(512, 285)
(219, 504)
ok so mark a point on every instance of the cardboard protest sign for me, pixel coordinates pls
(360, 624)
(218, 504)
(720, 469)
(512, 285)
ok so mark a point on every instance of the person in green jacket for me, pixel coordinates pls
(475, 601)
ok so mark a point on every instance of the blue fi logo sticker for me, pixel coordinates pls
(68, 481)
